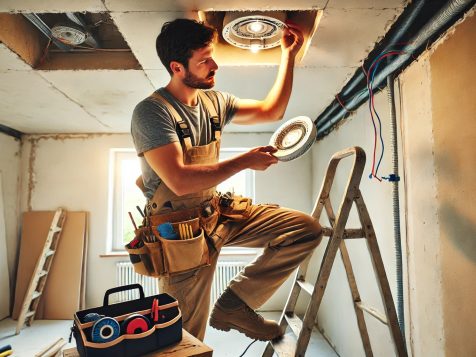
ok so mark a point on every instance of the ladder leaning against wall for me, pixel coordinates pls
(40, 274)
(295, 343)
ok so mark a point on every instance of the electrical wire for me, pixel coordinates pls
(370, 75)
(247, 348)
(373, 123)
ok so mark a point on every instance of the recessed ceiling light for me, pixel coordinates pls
(254, 31)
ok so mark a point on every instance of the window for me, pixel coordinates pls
(125, 195)
(242, 183)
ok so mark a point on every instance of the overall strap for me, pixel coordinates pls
(211, 108)
(183, 129)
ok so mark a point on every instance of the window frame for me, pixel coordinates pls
(116, 199)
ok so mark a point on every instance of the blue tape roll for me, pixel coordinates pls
(105, 330)
(92, 316)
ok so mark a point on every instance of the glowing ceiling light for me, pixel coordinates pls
(256, 27)
(244, 30)
(255, 47)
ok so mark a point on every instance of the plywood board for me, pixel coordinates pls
(61, 295)
(82, 298)
(4, 278)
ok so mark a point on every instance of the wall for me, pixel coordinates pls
(453, 88)
(437, 205)
(72, 172)
(10, 171)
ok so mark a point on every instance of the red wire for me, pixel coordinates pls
(373, 121)
(372, 103)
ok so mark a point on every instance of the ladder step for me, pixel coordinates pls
(349, 233)
(294, 323)
(307, 287)
(42, 273)
(370, 310)
(29, 314)
(49, 252)
(55, 229)
(286, 346)
(35, 295)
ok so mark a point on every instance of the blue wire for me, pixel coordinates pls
(371, 116)
(379, 121)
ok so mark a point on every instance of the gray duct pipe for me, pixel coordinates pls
(354, 82)
(441, 18)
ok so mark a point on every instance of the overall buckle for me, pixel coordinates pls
(183, 130)
(215, 121)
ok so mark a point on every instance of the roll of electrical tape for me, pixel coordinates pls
(135, 324)
(294, 138)
(105, 330)
(92, 316)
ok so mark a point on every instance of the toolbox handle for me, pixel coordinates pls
(122, 288)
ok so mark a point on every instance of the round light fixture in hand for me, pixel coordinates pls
(294, 138)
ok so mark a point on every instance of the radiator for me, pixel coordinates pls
(126, 275)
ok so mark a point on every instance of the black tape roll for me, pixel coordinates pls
(134, 324)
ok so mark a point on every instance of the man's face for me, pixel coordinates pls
(201, 69)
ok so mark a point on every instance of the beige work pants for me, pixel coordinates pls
(287, 236)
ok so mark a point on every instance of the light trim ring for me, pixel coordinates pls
(238, 32)
(294, 138)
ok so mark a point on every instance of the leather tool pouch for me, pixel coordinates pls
(153, 255)
(230, 209)
(235, 207)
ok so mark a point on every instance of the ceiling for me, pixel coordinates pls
(101, 101)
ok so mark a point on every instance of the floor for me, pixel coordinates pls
(225, 344)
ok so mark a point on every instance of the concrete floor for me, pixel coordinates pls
(225, 344)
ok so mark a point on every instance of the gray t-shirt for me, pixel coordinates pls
(153, 126)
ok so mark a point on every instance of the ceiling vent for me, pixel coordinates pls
(67, 41)
(254, 32)
(69, 33)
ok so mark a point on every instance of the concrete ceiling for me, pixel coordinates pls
(94, 101)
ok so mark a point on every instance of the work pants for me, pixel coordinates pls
(287, 236)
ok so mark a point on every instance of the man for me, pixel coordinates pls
(176, 132)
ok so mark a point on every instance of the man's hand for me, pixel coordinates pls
(260, 158)
(292, 39)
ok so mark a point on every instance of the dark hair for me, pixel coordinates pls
(179, 38)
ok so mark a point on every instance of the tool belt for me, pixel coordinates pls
(152, 254)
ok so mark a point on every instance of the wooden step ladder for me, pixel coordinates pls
(295, 343)
(40, 274)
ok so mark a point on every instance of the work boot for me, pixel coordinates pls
(230, 312)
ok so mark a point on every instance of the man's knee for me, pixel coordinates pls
(312, 230)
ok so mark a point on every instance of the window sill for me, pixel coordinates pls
(114, 254)
(224, 252)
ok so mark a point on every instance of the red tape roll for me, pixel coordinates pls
(135, 324)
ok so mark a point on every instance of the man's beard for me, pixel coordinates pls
(194, 82)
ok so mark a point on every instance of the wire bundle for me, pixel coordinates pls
(370, 75)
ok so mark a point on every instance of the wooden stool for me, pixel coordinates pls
(189, 346)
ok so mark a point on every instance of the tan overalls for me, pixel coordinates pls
(286, 235)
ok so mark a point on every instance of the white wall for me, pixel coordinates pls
(336, 315)
(72, 172)
(424, 256)
(10, 171)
